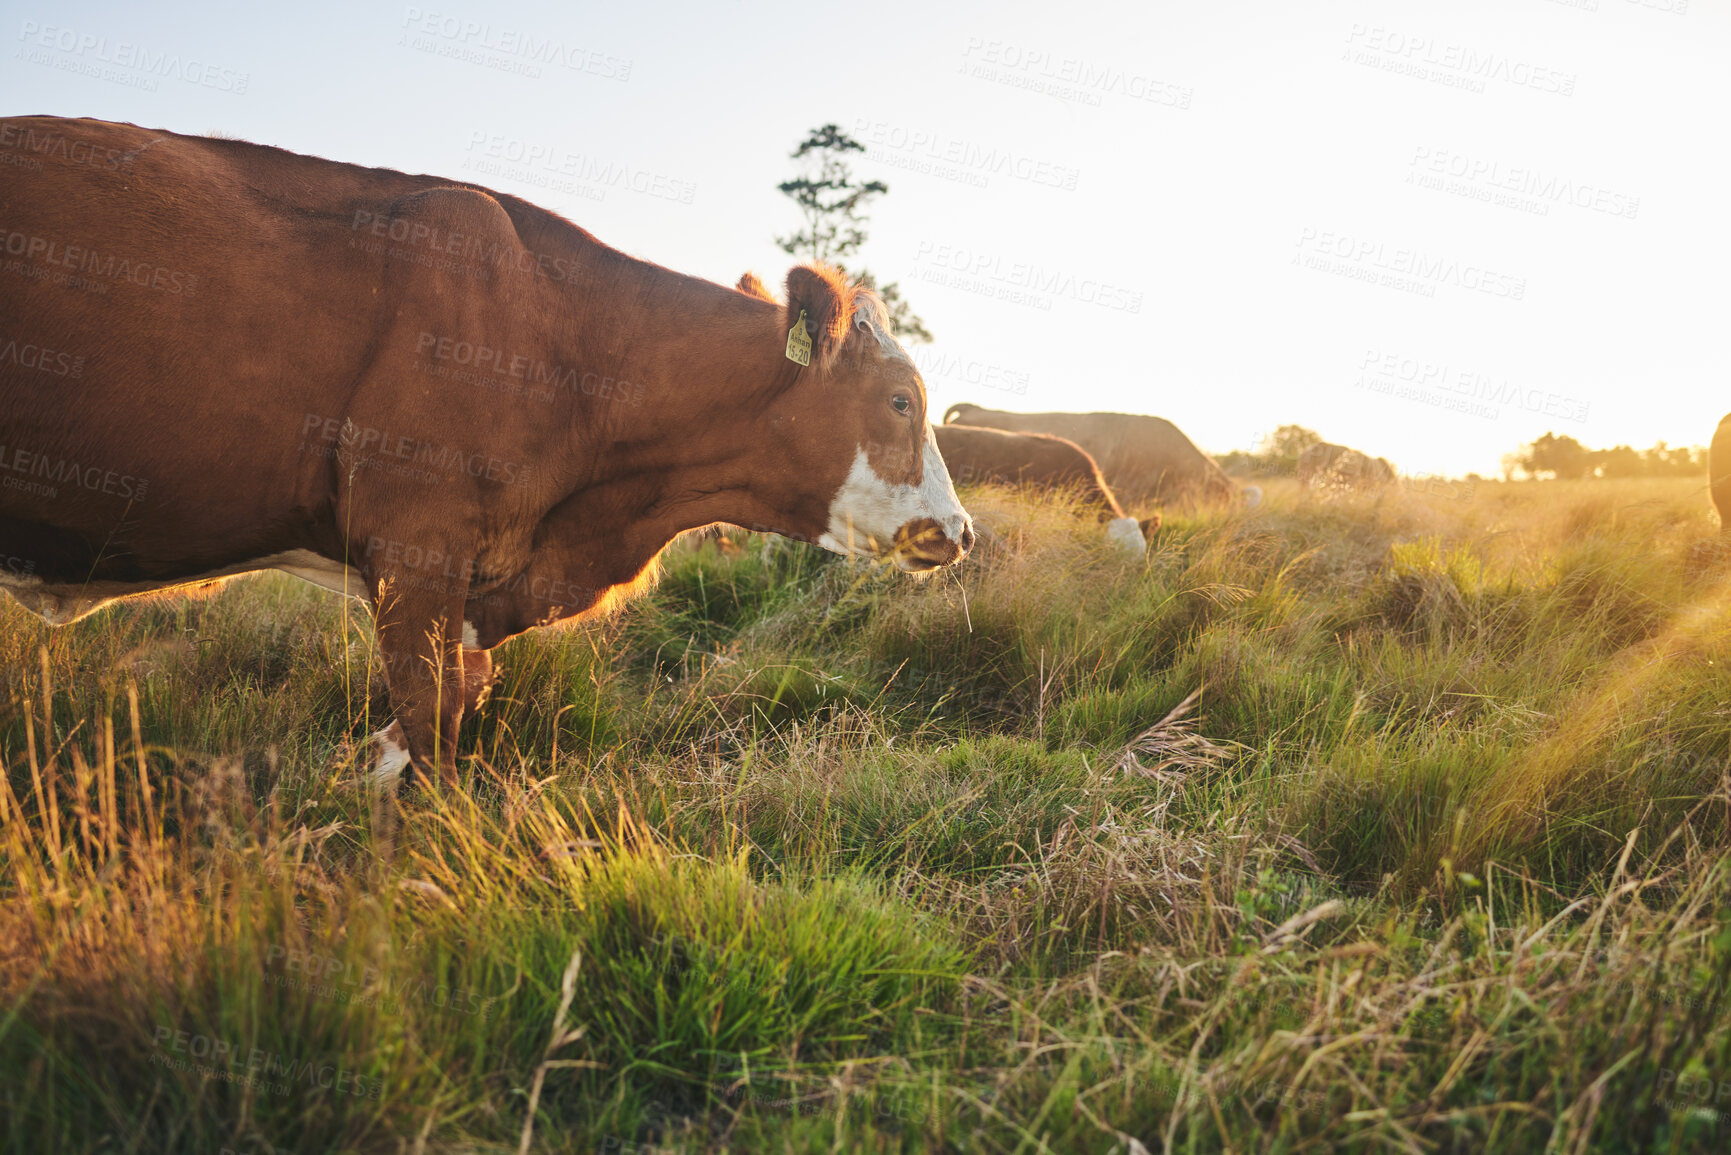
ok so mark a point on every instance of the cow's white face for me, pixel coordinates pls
(922, 525)
(856, 465)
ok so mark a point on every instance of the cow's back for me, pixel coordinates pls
(1719, 472)
(227, 315)
(1340, 467)
(1144, 458)
(181, 288)
(1316, 460)
(985, 454)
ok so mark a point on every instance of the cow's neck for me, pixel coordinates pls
(697, 450)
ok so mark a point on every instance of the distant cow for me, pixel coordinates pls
(975, 454)
(978, 455)
(1329, 466)
(447, 401)
(1145, 459)
(1719, 472)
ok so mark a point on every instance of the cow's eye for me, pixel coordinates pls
(901, 402)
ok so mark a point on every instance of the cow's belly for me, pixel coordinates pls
(319, 570)
(58, 602)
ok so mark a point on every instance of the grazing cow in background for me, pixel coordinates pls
(444, 400)
(1719, 472)
(1144, 459)
(1337, 468)
(977, 455)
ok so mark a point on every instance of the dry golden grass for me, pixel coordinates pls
(1437, 860)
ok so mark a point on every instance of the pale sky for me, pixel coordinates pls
(1430, 230)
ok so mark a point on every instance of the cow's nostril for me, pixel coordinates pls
(967, 538)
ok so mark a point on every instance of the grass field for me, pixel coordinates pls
(798, 854)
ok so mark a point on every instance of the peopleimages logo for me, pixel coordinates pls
(48, 143)
(525, 368)
(948, 367)
(1474, 392)
(48, 467)
(1065, 77)
(1362, 258)
(499, 154)
(1513, 186)
(435, 247)
(936, 153)
(979, 271)
(366, 443)
(1455, 65)
(49, 255)
(85, 48)
(1684, 1091)
(341, 980)
(26, 355)
(217, 1058)
(526, 47)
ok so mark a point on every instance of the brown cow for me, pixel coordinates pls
(1719, 472)
(1146, 459)
(1326, 465)
(445, 400)
(978, 455)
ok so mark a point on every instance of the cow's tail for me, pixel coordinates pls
(950, 413)
(1252, 496)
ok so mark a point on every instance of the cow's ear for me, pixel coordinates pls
(820, 294)
(751, 286)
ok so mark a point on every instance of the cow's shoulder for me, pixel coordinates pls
(461, 209)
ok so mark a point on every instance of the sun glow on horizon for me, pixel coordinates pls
(1430, 233)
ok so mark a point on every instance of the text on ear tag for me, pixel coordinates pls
(799, 342)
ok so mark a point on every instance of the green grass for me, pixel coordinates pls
(797, 854)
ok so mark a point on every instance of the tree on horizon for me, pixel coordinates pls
(832, 204)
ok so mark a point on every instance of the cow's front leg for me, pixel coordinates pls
(391, 746)
(477, 679)
(420, 639)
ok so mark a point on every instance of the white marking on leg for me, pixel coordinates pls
(471, 640)
(392, 757)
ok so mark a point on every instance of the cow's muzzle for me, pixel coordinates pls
(922, 545)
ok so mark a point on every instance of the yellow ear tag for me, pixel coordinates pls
(799, 342)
